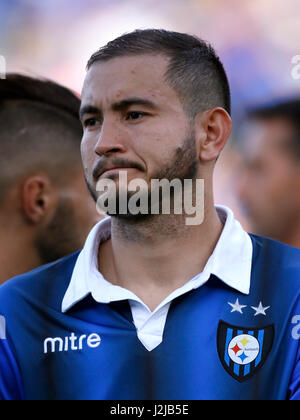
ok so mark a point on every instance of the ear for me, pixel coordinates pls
(213, 128)
(38, 198)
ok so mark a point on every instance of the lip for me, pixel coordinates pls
(114, 169)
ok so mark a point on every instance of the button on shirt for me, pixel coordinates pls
(230, 262)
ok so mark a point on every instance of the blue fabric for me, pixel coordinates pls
(10, 378)
(190, 363)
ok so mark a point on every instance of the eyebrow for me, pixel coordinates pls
(126, 103)
(117, 106)
(88, 109)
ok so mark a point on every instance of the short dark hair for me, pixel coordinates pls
(195, 71)
(40, 129)
(288, 110)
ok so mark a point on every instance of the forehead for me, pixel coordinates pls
(266, 137)
(121, 77)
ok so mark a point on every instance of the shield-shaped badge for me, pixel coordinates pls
(243, 351)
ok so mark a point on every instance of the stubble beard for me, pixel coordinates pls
(183, 165)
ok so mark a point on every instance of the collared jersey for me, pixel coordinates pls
(218, 342)
(230, 261)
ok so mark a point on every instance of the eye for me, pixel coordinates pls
(134, 115)
(91, 122)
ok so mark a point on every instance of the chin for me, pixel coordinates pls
(132, 218)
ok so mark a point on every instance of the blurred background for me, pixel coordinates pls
(255, 39)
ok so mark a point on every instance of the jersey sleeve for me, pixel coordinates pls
(10, 378)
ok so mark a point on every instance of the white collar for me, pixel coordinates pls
(231, 262)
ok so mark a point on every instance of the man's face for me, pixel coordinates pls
(269, 181)
(135, 122)
(74, 217)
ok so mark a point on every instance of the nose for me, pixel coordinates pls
(110, 139)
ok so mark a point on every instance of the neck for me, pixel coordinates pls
(292, 236)
(156, 256)
(17, 255)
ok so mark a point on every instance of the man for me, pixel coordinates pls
(45, 208)
(269, 183)
(154, 308)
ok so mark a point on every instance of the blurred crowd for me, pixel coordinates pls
(258, 175)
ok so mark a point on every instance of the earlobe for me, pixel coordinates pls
(216, 124)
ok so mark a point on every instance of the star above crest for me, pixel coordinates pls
(236, 307)
(260, 310)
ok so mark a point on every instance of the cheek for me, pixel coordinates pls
(156, 158)
(84, 206)
(159, 146)
(87, 214)
(148, 146)
(272, 179)
(87, 153)
(278, 189)
(262, 189)
(270, 187)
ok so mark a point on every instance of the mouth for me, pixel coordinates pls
(114, 170)
(114, 167)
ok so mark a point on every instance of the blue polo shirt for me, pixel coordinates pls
(59, 340)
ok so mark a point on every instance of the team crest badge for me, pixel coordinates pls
(243, 351)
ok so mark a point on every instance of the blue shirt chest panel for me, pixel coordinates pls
(186, 365)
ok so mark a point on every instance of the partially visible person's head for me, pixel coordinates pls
(41, 177)
(269, 184)
(156, 103)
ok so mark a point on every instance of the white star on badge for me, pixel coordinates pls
(260, 310)
(236, 307)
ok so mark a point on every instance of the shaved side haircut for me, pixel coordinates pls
(40, 130)
(195, 71)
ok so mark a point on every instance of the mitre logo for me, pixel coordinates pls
(71, 343)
